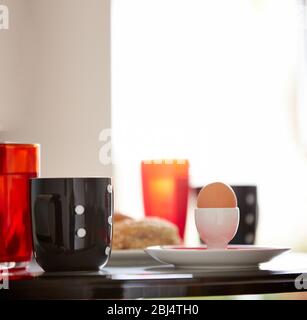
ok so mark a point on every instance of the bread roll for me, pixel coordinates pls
(132, 234)
(117, 217)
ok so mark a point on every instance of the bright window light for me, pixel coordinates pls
(214, 82)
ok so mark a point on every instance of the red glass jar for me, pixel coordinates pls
(18, 163)
(165, 190)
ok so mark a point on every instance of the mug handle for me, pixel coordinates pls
(48, 219)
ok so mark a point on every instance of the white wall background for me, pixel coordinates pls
(55, 81)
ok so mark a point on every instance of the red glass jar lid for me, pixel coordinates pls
(19, 158)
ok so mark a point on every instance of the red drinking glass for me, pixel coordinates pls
(165, 190)
(18, 163)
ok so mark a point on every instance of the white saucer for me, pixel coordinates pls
(234, 257)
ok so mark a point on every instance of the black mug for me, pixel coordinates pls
(248, 204)
(71, 222)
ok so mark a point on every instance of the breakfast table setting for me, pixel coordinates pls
(64, 240)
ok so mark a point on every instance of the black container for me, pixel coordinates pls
(71, 222)
(248, 204)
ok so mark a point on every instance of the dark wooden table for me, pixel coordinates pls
(156, 281)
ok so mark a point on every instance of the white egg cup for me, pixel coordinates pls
(217, 226)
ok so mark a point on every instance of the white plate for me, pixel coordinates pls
(234, 257)
(131, 258)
